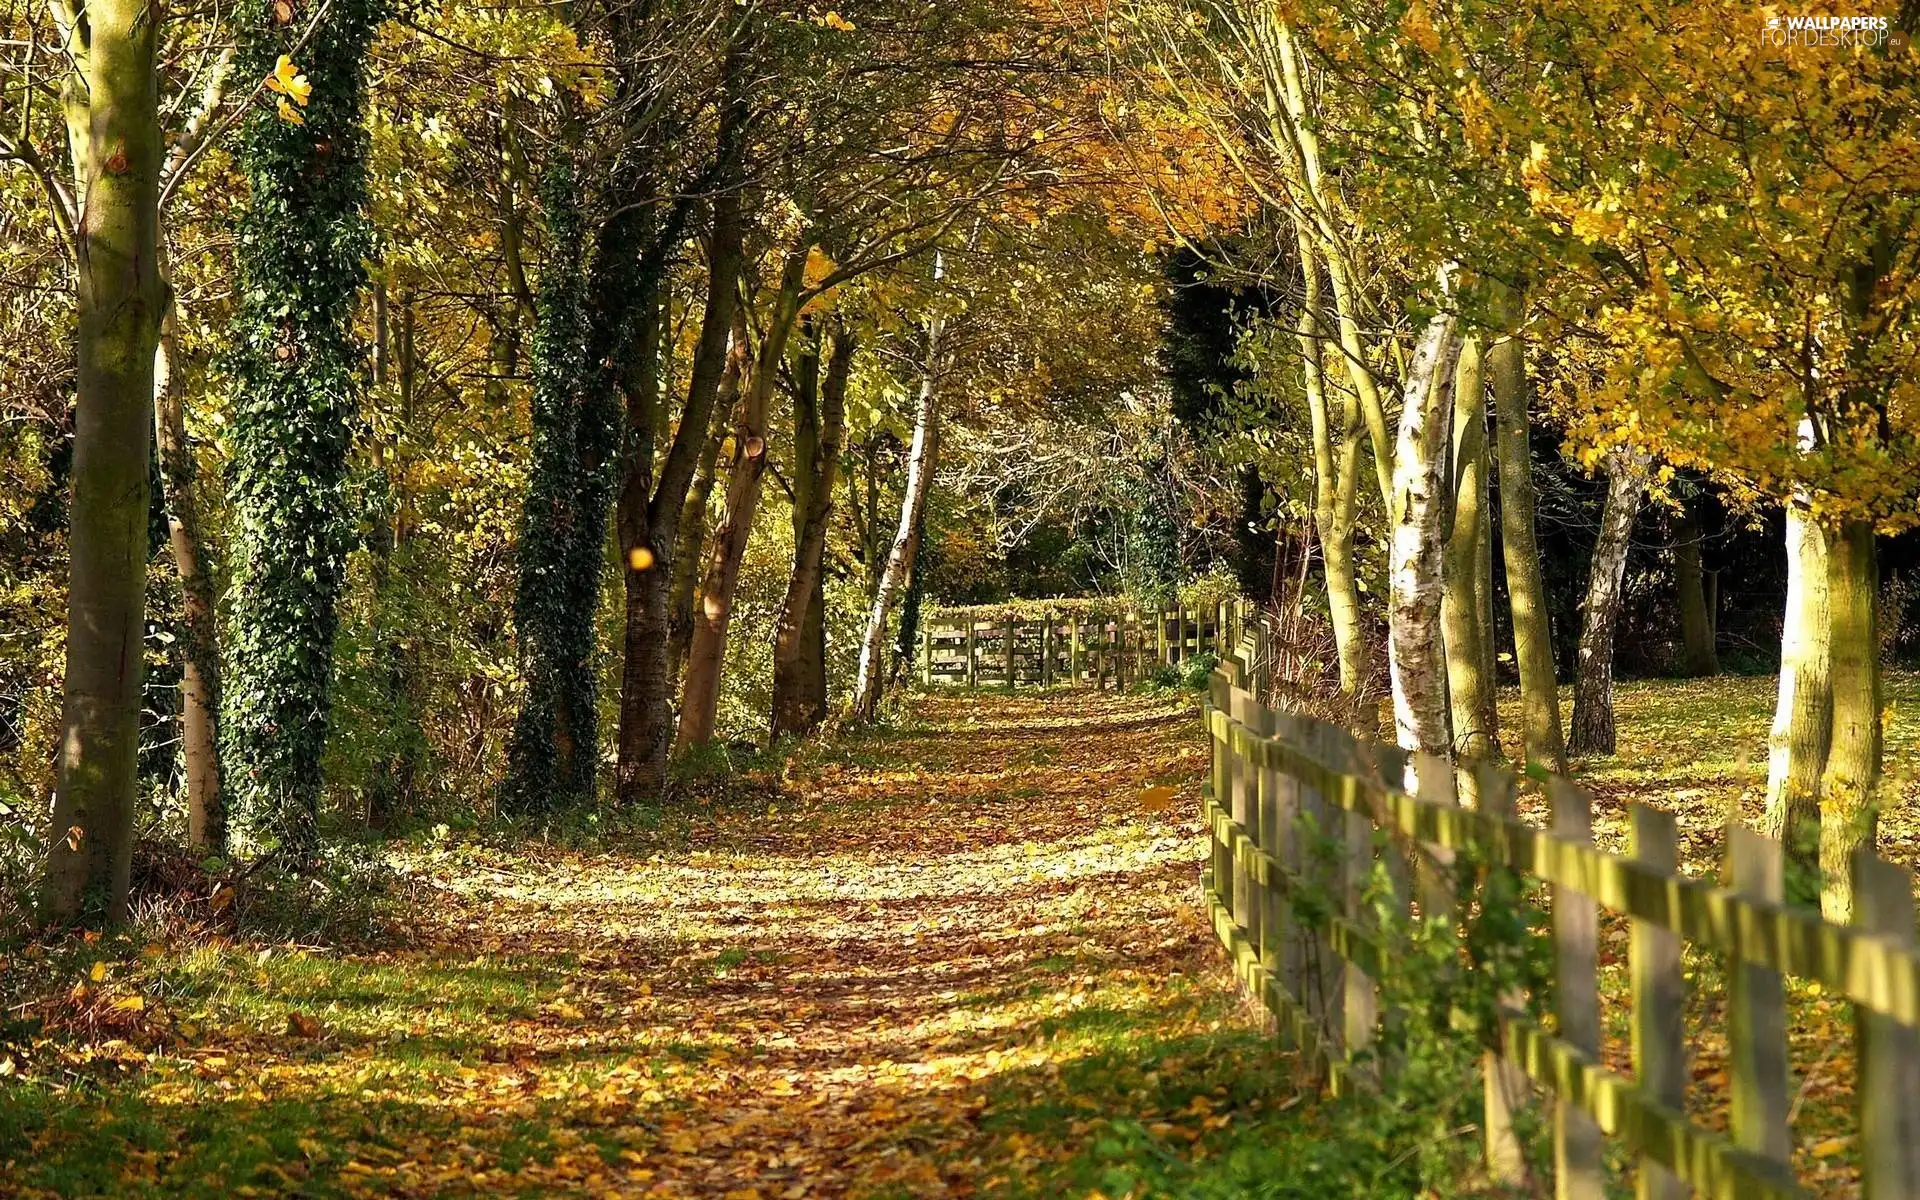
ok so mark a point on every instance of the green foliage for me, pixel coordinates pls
(1194, 671)
(551, 757)
(1151, 569)
(303, 242)
(339, 897)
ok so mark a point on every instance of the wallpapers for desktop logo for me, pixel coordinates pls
(1832, 32)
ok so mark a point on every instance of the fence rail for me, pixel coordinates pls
(1067, 648)
(1278, 777)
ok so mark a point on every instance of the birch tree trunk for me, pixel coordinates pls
(1469, 683)
(1593, 685)
(200, 653)
(115, 125)
(747, 472)
(1420, 497)
(921, 460)
(799, 648)
(1520, 549)
(1803, 704)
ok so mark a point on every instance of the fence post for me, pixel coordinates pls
(1008, 649)
(1504, 1083)
(1434, 863)
(1361, 997)
(926, 657)
(973, 653)
(1756, 1011)
(1220, 629)
(1246, 906)
(1659, 1000)
(1322, 851)
(1888, 1052)
(1046, 651)
(1160, 636)
(1219, 697)
(1578, 1173)
(1274, 808)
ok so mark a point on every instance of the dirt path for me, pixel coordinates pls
(959, 959)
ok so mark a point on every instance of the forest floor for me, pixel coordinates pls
(961, 957)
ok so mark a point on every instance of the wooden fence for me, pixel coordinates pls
(1278, 777)
(1067, 648)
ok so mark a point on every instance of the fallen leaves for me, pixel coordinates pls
(836, 993)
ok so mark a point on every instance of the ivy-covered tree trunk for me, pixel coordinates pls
(303, 240)
(1592, 731)
(547, 765)
(120, 299)
(800, 645)
(1520, 547)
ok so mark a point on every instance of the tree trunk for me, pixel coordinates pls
(120, 298)
(922, 458)
(1476, 729)
(1593, 685)
(692, 539)
(1852, 774)
(747, 471)
(1420, 495)
(799, 649)
(295, 362)
(547, 763)
(1696, 621)
(1520, 551)
(200, 657)
(1803, 705)
(1335, 484)
(654, 522)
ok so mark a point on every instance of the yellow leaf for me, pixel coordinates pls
(289, 82)
(131, 1003)
(1157, 799)
(98, 973)
(1829, 1147)
(290, 114)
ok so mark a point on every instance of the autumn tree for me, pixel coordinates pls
(110, 215)
(295, 366)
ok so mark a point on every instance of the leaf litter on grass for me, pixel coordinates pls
(884, 983)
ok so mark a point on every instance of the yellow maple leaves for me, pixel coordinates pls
(292, 87)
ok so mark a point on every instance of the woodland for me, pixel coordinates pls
(476, 479)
